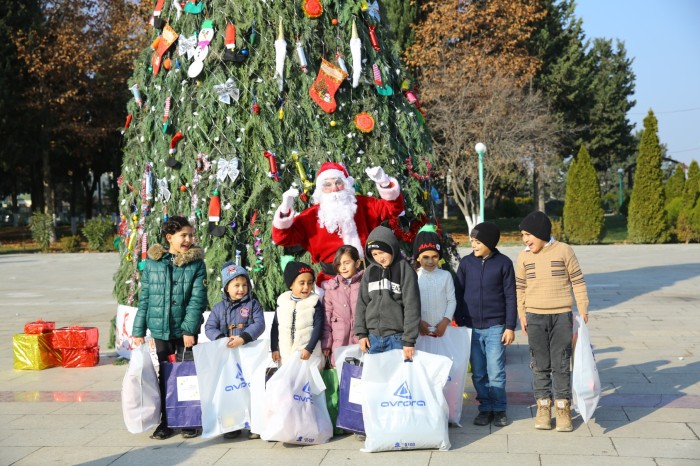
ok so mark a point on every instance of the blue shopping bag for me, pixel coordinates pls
(350, 397)
(182, 405)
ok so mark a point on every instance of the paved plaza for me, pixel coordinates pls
(644, 325)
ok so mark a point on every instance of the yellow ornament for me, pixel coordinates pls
(280, 113)
(333, 123)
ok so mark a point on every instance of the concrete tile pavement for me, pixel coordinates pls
(645, 323)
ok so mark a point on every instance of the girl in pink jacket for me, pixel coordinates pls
(339, 301)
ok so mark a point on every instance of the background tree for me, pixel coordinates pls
(673, 192)
(646, 218)
(685, 230)
(583, 214)
(401, 17)
(240, 109)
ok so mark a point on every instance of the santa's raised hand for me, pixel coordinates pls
(377, 175)
(287, 205)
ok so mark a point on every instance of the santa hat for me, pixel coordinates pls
(334, 170)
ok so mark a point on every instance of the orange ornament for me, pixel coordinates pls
(183, 188)
(167, 63)
(312, 8)
(364, 122)
(334, 21)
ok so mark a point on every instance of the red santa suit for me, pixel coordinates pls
(304, 229)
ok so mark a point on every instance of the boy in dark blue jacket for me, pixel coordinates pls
(486, 302)
(238, 317)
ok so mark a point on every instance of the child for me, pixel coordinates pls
(340, 300)
(387, 315)
(546, 272)
(437, 289)
(172, 299)
(298, 321)
(486, 290)
(238, 317)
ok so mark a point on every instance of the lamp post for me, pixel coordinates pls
(620, 172)
(480, 149)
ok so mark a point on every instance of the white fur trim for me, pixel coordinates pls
(392, 192)
(282, 223)
(330, 173)
(353, 239)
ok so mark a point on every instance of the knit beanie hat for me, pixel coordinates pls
(294, 269)
(537, 224)
(487, 233)
(378, 246)
(426, 240)
(229, 271)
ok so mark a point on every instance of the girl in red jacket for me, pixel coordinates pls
(340, 299)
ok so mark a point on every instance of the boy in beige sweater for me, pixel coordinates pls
(546, 273)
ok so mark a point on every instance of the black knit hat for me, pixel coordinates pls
(378, 246)
(294, 269)
(537, 224)
(487, 233)
(426, 241)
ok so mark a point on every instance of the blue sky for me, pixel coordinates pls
(663, 37)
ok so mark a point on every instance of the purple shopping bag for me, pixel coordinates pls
(350, 398)
(182, 405)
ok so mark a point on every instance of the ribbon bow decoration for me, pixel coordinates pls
(373, 10)
(163, 191)
(227, 168)
(187, 45)
(227, 91)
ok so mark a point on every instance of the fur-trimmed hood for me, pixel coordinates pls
(157, 251)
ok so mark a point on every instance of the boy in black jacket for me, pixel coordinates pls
(486, 303)
(387, 315)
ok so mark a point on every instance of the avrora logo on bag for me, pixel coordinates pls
(402, 392)
(305, 397)
(241, 381)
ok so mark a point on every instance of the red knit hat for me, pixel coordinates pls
(332, 170)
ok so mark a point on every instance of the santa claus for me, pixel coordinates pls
(337, 216)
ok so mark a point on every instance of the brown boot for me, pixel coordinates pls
(543, 418)
(563, 416)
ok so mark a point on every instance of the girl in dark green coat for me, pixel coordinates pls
(172, 299)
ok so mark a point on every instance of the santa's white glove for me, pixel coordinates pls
(377, 175)
(288, 200)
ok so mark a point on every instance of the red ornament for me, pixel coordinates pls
(312, 8)
(272, 159)
(334, 21)
(373, 38)
(409, 167)
(183, 188)
(128, 121)
(255, 108)
(408, 236)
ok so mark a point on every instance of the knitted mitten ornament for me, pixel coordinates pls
(323, 90)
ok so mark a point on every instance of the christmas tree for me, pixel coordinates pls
(237, 101)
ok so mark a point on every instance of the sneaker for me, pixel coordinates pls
(484, 418)
(500, 419)
(563, 416)
(162, 432)
(232, 435)
(190, 433)
(543, 418)
(253, 436)
(360, 437)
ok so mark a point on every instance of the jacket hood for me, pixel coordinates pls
(157, 251)
(387, 236)
(334, 282)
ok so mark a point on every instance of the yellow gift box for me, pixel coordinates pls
(34, 352)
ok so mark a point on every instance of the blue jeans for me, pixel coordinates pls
(488, 359)
(387, 343)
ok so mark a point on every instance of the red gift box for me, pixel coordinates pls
(39, 326)
(80, 357)
(75, 337)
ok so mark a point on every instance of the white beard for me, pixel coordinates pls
(336, 213)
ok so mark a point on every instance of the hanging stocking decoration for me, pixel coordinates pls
(356, 50)
(215, 215)
(166, 113)
(172, 161)
(160, 45)
(323, 90)
(156, 21)
(280, 54)
(381, 88)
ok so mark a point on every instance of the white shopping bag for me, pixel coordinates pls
(456, 345)
(296, 409)
(124, 342)
(224, 378)
(140, 393)
(342, 352)
(585, 382)
(257, 395)
(404, 407)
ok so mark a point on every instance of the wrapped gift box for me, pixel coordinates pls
(34, 352)
(75, 337)
(39, 326)
(80, 357)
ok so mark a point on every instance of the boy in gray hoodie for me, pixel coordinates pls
(388, 306)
